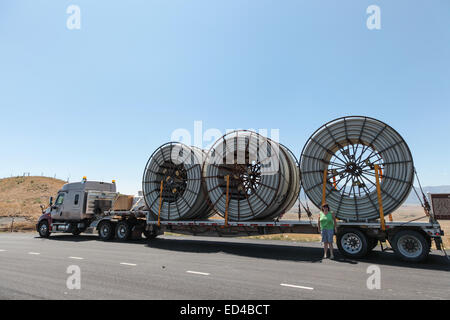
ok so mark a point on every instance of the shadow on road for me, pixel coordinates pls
(302, 252)
(71, 238)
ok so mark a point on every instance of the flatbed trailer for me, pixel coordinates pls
(410, 240)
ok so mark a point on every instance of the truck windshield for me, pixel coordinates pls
(60, 199)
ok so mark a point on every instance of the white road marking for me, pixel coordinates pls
(294, 286)
(197, 272)
(2, 250)
(35, 253)
(128, 264)
(76, 258)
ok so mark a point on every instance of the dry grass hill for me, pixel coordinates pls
(21, 197)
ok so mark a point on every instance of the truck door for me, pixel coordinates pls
(58, 207)
(73, 199)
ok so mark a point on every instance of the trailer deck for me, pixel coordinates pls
(222, 227)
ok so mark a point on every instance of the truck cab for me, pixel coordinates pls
(76, 206)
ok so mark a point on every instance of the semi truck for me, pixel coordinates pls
(87, 206)
(359, 165)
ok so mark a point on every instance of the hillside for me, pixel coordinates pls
(22, 196)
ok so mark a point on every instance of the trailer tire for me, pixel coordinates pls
(106, 230)
(123, 231)
(44, 229)
(411, 246)
(352, 243)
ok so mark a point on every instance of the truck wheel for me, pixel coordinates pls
(123, 231)
(352, 243)
(106, 230)
(76, 231)
(410, 245)
(43, 229)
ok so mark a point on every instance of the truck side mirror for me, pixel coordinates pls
(50, 201)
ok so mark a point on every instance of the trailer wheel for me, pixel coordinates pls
(410, 245)
(106, 230)
(352, 243)
(123, 231)
(43, 229)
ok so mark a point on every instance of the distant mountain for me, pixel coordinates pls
(412, 199)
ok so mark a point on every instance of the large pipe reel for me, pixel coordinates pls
(349, 148)
(178, 167)
(264, 178)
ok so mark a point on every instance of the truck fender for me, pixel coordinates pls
(94, 224)
(45, 216)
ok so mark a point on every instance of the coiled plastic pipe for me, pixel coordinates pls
(179, 168)
(264, 178)
(349, 148)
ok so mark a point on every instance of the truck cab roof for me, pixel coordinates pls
(89, 186)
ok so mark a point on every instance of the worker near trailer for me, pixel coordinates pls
(327, 228)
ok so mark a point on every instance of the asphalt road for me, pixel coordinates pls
(186, 267)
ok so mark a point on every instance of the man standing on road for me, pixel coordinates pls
(327, 227)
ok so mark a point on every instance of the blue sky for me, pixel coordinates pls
(97, 101)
